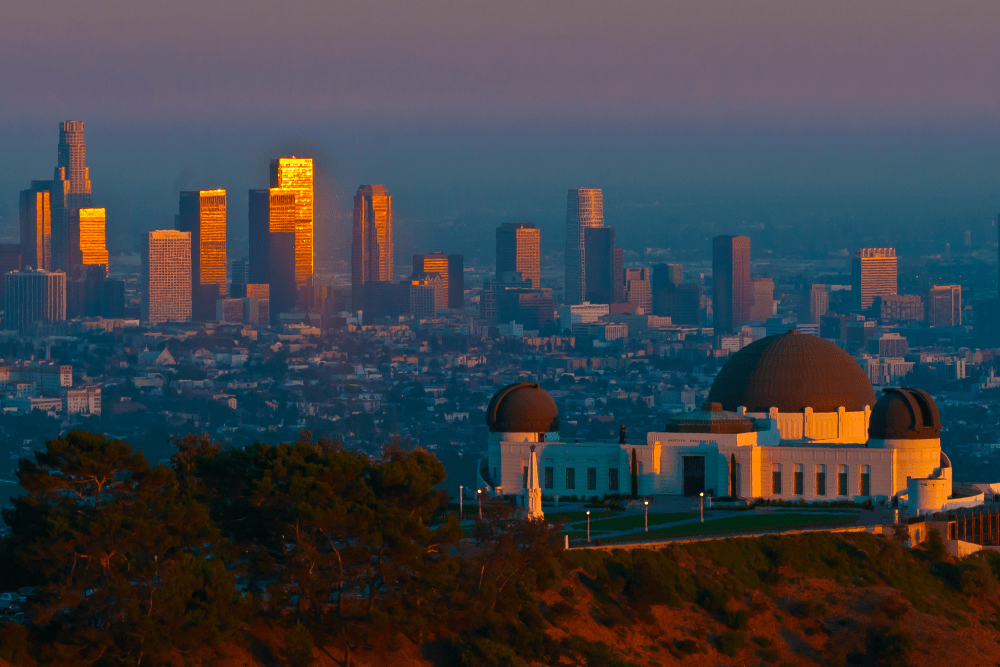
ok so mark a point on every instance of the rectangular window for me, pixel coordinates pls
(799, 481)
(776, 479)
(548, 477)
(592, 479)
(524, 476)
(570, 478)
(821, 480)
(842, 480)
(613, 479)
(865, 481)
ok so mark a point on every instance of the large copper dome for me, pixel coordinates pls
(522, 408)
(791, 372)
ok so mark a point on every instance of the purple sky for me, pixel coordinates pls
(476, 112)
(805, 63)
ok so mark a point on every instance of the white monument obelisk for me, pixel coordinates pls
(533, 496)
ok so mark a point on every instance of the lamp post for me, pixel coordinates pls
(701, 506)
(588, 525)
(461, 511)
(479, 495)
(647, 515)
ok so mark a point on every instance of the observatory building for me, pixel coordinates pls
(789, 417)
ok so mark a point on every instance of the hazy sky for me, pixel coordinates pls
(473, 112)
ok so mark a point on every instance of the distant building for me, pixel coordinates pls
(873, 272)
(451, 270)
(815, 304)
(763, 300)
(732, 289)
(229, 311)
(519, 249)
(292, 174)
(638, 291)
(372, 257)
(424, 298)
(36, 226)
(891, 345)
(898, 308)
(584, 209)
(602, 281)
(272, 227)
(492, 289)
(70, 190)
(203, 215)
(32, 297)
(944, 306)
(583, 313)
(166, 276)
(239, 272)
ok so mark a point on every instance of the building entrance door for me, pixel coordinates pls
(694, 474)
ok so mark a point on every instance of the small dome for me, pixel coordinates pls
(791, 372)
(522, 408)
(711, 419)
(905, 414)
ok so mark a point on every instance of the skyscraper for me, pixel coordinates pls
(166, 276)
(70, 190)
(584, 209)
(87, 240)
(272, 216)
(873, 273)
(36, 225)
(601, 279)
(732, 290)
(638, 289)
(944, 306)
(203, 215)
(32, 297)
(817, 303)
(763, 300)
(371, 240)
(456, 282)
(519, 249)
(296, 175)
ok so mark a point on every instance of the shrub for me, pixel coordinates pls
(730, 642)
(763, 642)
(738, 620)
(769, 655)
(299, 647)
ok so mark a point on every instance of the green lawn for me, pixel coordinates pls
(573, 516)
(745, 524)
(637, 521)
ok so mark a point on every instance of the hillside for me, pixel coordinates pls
(818, 599)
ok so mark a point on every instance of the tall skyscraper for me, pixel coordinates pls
(601, 279)
(519, 249)
(873, 273)
(296, 175)
(87, 240)
(638, 290)
(166, 276)
(371, 240)
(240, 273)
(456, 282)
(36, 225)
(32, 297)
(70, 191)
(203, 214)
(763, 300)
(944, 306)
(732, 289)
(272, 245)
(584, 209)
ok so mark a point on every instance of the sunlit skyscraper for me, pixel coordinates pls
(166, 276)
(88, 238)
(36, 226)
(273, 216)
(584, 209)
(203, 214)
(296, 174)
(519, 249)
(70, 191)
(732, 289)
(873, 273)
(372, 258)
